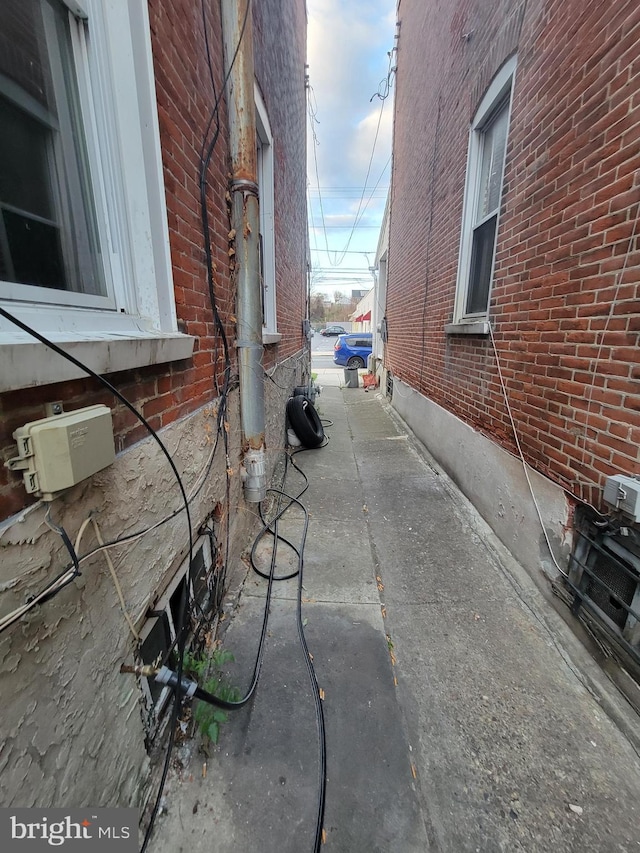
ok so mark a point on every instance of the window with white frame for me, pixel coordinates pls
(265, 169)
(84, 252)
(483, 195)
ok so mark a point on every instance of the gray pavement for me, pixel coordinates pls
(461, 713)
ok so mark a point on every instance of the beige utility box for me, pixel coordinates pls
(56, 453)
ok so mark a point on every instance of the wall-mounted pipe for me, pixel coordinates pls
(237, 32)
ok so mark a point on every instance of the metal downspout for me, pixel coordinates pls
(237, 32)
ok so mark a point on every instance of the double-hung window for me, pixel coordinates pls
(48, 234)
(265, 169)
(483, 196)
(84, 255)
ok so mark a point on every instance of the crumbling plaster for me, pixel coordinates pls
(71, 731)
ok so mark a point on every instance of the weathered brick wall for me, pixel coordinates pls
(565, 300)
(72, 724)
(280, 39)
(185, 97)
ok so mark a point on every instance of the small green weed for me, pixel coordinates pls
(206, 669)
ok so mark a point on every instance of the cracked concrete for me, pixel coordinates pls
(461, 712)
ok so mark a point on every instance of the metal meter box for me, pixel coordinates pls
(56, 453)
(623, 493)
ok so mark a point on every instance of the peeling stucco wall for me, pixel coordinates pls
(71, 727)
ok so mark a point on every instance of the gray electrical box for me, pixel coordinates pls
(623, 493)
(56, 453)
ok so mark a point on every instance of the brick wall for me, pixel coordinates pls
(565, 299)
(185, 98)
(280, 38)
(73, 723)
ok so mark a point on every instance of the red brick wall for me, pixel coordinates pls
(280, 56)
(185, 99)
(569, 208)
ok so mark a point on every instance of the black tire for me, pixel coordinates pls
(304, 421)
(355, 361)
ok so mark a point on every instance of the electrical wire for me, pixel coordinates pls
(206, 153)
(594, 368)
(116, 583)
(54, 586)
(525, 467)
(86, 369)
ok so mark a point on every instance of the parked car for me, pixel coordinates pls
(352, 350)
(333, 330)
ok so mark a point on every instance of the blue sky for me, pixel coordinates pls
(348, 45)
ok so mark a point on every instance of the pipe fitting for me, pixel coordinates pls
(255, 475)
(168, 676)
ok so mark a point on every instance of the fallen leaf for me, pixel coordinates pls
(324, 836)
(414, 772)
(322, 694)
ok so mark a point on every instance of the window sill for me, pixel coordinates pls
(270, 337)
(479, 327)
(29, 363)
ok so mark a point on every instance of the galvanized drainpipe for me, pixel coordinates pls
(237, 33)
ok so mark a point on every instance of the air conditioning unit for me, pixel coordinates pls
(623, 493)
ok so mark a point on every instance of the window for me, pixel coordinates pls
(83, 232)
(483, 195)
(158, 635)
(265, 168)
(47, 219)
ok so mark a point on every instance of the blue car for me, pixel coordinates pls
(353, 350)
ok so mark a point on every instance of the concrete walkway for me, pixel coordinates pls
(461, 714)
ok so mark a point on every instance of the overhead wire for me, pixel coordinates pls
(383, 98)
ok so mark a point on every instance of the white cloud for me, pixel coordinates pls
(348, 44)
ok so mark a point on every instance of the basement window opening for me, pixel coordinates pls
(604, 579)
(159, 634)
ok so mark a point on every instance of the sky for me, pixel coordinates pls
(348, 176)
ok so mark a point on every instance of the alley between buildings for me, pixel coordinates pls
(461, 713)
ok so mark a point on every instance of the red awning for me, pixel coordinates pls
(366, 316)
(358, 318)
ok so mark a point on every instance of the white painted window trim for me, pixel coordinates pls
(266, 180)
(136, 324)
(502, 84)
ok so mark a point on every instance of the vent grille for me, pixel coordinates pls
(604, 577)
(389, 385)
(610, 588)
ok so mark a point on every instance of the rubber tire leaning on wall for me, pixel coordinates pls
(304, 421)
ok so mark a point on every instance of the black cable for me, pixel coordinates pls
(86, 369)
(205, 160)
(322, 741)
(74, 559)
(267, 525)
